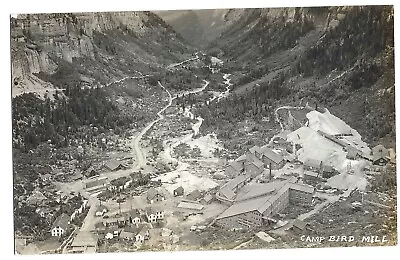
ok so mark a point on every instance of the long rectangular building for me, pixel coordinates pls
(252, 211)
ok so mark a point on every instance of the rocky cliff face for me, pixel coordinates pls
(41, 42)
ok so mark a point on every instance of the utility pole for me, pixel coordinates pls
(270, 171)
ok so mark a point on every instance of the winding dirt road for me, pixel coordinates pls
(140, 157)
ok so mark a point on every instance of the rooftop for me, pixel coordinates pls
(270, 154)
(257, 163)
(61, 221)
(190, 205)
(259, 200)
(113, 164)
(259, 203)
(254, 149)
(241, 158)
(310, 173)
(237, 166)
(152, 192)
(299, 224)
(312, 163)
(257, 190)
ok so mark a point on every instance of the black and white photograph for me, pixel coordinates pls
(203, 129)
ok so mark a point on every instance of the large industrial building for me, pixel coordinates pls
(255, 205)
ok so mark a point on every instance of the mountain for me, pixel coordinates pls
(197, 27)
(46, 49)
(340, 58)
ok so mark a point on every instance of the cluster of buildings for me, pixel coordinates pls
(133, 225)
(62, 222)
(254, 204)
(379, 154)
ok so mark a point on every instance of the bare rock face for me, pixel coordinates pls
(41, 42)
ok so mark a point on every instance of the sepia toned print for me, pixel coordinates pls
(217, 129)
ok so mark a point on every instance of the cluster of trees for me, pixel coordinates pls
(104, 43)
(253, 74)
(28, 222)
(255, 104)
(36, 121)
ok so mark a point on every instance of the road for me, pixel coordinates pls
(284, 107)
(18, 92)
(182, 62)
(41, 90)
(140, 158)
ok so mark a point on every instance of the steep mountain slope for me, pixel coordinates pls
(198, 27)
(99, 47)
(340, 58)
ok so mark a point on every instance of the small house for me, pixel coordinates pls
(112, 232)
(254, 167)
(114, 165)
(43, 212)
(60, 225)
(101, 209)
(272, 159)
(153, 214)
(311, 176)
(90, 172)
(241, 159)
(380, 155)
(179, 191)
(299, 225)
(207, 199)
(143, 234)
(256, 151)
(234, 168)
(154, 195)
(194, 195)
(134, 216)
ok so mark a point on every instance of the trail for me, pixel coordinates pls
(18, 92)
(182, 62)
(277, 119)
(42, 90)
(318, 208)
(125, 78)
(338, 77)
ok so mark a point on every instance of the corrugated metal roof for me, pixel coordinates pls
(237, 166)
(261, 204)
(270, 154)
(254, 149)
